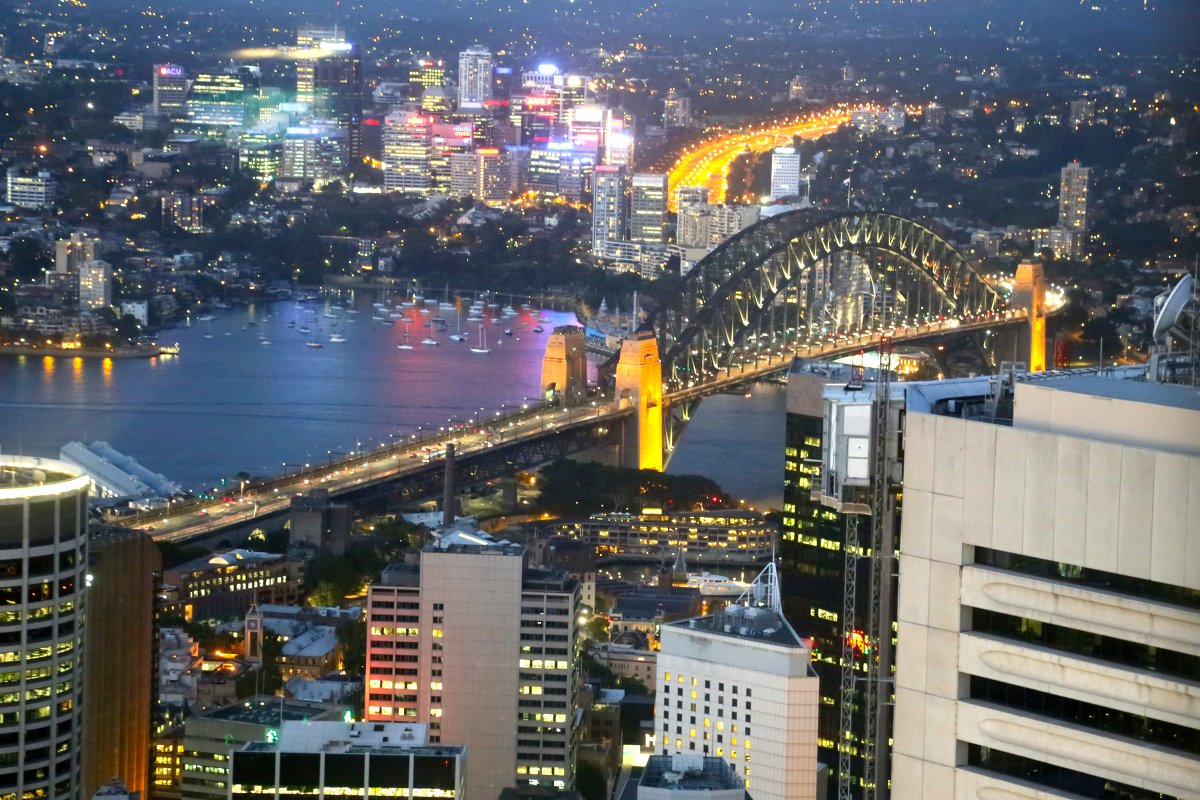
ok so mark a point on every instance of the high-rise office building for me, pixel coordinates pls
(619, 140)
(309, 43)
(648, 208)
(95, 285)
(338, 95)
(486, 174)
(1049, 608)
(812, 564)
(426, 73)
(494, 669)
(43, 567)
(785, 173)
(313, 153)
(474, 78)
(216, 103)
(739, 685)
(608, 207)
(1073, 197)
(406, 152)
(124, 567)
(260, 154)
(170, 90)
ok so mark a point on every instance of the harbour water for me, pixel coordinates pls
(248, 394)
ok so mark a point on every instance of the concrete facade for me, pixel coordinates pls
(1096, 485)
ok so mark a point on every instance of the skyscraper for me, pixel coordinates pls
(648, 208)
(170, 90)
(43, 565)
(119, 680)
(309, 39)
(494, 669)
(608, 207)
(474, 78)
(785, 173)
(739, 685)
(338, 95)
(677, 110)
(1049, 611)
(1073, 198)
(406, 152)
(216, 103)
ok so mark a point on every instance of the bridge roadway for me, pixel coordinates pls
(194, 519)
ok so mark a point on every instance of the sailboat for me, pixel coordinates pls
(458, 335)
(431, 339)
(406, 345)
(483, 348)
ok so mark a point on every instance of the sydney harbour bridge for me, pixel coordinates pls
(803, 283)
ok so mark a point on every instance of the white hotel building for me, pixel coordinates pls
(740, 685)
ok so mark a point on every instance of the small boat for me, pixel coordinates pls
(329, 315)
(404, 346)
(474, 318)
(509, 311)
(483, 348)
(423, 310)
(497, 321)
(538, 329)
(314, 345)
(396, 315)
(208, 336)
(219, 304)
(337, 338)
(303, 329)
(227, 333)
(205, 318)
(543, 318)
(458, 337)
(292, 323)
(387, 322)
(429, 340)
(508, 331)
(265, 341)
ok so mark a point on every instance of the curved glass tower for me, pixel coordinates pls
(43, 541)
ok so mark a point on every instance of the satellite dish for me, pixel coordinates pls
(1172, 308)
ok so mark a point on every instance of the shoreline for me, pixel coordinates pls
(80, 352)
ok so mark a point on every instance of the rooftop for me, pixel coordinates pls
(335, 736)
(1111, 385)
(689, 773)
(22, 476)
(267, 710)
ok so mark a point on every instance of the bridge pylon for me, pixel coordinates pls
(1029, 291)
(639, 385)
(564, 366)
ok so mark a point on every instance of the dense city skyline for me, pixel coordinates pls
(571, 400)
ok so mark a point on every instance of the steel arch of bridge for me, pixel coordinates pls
(801, 277)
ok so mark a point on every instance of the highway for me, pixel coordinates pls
(707, 163)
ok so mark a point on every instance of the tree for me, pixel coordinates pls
(352, 635)
(590, 782)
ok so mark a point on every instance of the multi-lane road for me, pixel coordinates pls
(707, 163)
(183, 521)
